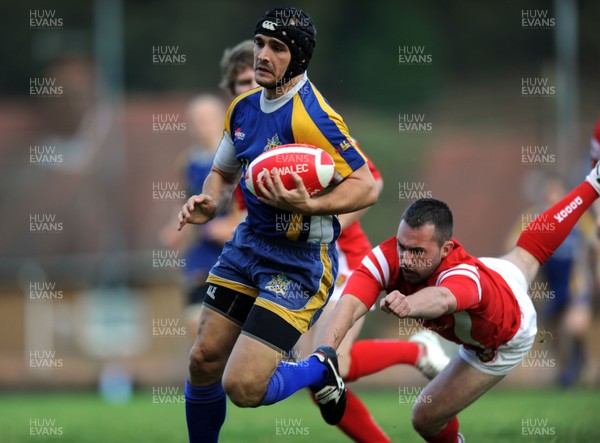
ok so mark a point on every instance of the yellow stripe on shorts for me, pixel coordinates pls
(301, 319)
(233, 285)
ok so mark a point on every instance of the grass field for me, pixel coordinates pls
(503, 416)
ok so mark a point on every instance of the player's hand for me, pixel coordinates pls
(395, 303)
(275, 194)
(199, 209)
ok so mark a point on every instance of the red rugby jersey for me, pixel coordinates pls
(487, 313)
(353, 241)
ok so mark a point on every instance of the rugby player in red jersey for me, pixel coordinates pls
(481, 304)
(358, 359)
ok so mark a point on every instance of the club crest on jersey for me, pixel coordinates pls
(278, 284)
(272, 142)
(238, 134)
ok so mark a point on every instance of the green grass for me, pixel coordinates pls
(497, 417)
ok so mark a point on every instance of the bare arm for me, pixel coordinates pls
(347, 311)
(428, 303)
(215, 198)
(356, 192)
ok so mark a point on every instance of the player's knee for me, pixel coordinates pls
(423, 421)
(206, 360)
(242, 392)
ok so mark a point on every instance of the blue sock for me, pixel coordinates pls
(291, 377)
(204, 412)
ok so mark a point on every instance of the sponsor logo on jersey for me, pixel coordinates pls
(564, 213)
(345, 145)
(238, 134)
(278, 284)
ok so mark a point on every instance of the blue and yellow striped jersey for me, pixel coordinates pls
(254, 124)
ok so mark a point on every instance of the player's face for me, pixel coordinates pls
(244, 81)
(271, 59)
(419, 252)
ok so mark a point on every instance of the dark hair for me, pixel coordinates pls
(430, 211)
(233, 62)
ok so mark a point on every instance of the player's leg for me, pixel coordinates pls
(194, 292)
(217, 333)
(467, 377)
(423, 350)
(227, 302)
(357, 422)
(289, 302)
(537, 242)
(455, 388)
(358, 359)
(371, 356)
(257, 373)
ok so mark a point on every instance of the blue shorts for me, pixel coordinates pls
(291, 281)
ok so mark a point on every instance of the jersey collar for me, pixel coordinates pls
(268, 106)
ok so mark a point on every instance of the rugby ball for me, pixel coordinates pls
(314, 166)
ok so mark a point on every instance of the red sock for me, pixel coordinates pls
(448, 435)
(358, 424)
(548, 230)
(370, 356)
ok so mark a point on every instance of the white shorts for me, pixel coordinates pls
(511, 353)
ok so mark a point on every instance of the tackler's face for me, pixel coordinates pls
(419, 252)
(271, 60)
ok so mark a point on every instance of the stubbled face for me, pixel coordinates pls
(271, 60)
(244, 81)
(419, 252)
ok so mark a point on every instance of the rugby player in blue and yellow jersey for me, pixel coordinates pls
(274, 277)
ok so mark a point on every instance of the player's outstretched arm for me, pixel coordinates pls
(347, 311)
(215, 198)
(428, 303)
(356, 192)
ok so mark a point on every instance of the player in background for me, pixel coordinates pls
(357, 359)
(237, 77)
(205, 116)
(481, 304)
(237, 69)
(249, 322)
(203, 244)
(562, 294)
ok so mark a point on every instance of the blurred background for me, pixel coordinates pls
(475, 104)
